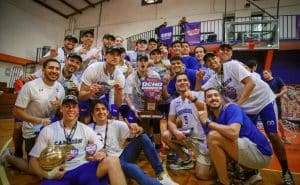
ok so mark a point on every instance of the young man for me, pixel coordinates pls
(88, 53)
(116, 135)
(108, 40)
(75, 137)
(254, 96)
(232, 135)
(157, 64)
(278, 87)
(185, 108)
(61, 53)
(225, 53)
(188, 61)
(119, 41)
(37, 102)
(152, 44)
(132, 56)
(102, 80)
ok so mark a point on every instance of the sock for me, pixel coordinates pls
(284, 166)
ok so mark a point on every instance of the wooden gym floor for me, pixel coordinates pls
(271, 176)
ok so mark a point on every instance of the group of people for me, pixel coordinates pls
(90, 98)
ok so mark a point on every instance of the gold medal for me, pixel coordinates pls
(68, 147)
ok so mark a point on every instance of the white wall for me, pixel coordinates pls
(25, 26)
(128, 17)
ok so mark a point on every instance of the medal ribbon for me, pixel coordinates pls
(70, 136)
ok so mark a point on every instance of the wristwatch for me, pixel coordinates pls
(194, 100)
(208, 121)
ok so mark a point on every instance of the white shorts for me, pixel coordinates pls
(250, 156)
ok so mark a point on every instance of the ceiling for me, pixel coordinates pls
(67, 8)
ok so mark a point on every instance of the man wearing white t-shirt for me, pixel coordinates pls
(185, 108)
(75, 137)
(37, 102)
(61, 53)
(127, 142)
(102, 81)
(88, 53)
(254, 96)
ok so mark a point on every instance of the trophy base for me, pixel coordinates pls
(150, 114)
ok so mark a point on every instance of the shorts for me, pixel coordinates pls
(268, 118)
(249, 155)
(85, 108)
(84, 174)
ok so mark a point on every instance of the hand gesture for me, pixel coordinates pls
(95, 88)
(53, 52)
(55, 102)
(57, 172)
(189, 95)
(200, 74)
(100, 155)
(203, 115)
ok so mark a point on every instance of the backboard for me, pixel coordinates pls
(252, 35)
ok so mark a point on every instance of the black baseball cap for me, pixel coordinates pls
(75, 55)
(109, 36)
(142, 56)
(69, 98)
(113, 49)
(71, 37)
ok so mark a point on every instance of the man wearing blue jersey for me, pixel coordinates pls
(232, 135)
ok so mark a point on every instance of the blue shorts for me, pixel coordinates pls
(268, 118)
(82, 175)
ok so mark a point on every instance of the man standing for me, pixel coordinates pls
(37, 102)
(188, 61)
(127, 142)
(232, 135)
(75, 137)
(61, 53)
(278, 87)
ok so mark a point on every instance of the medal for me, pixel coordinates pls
(68, 148)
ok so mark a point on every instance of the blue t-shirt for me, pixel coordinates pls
(191, 74)
(190, 62)
(232, 113)
(276, 84)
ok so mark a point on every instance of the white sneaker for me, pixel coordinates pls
(166, 180)
(3, 157)
(252, 177)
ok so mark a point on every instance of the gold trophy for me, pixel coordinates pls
(51, 157)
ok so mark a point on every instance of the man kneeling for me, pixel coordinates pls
(232, 134)
(74, 136)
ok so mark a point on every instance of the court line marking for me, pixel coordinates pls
(265, 169)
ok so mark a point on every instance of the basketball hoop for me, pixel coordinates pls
(251, 46)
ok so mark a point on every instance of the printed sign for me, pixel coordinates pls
(151, 87)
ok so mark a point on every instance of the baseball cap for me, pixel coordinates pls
(142, 56)
(109, 36)
(69, 98)
(113, 49)
(75, 55)
(71, 37)
(88, 32)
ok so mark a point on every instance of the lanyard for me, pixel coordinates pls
(105, 136)
(70, 136)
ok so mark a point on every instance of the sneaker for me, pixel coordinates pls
(3, 157)
(285, 140)
(182, 165)
(251, 177)
(166, 180)
(288, 179)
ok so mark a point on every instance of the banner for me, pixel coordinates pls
(298, 26)
(192, 33)
(290, 103)
(166, 35)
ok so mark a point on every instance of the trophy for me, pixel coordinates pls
(51, 157)
(151, 88)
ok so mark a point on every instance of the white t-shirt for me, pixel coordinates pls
(85, 56)
(187, 112)
(116, 131)
(62, 80)
(54, 134)
(35, 97)
(232, 86)
(133, 88)
(95, 74)
(61, 55)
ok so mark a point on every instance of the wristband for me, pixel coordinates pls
(194, 100)
(208, 121)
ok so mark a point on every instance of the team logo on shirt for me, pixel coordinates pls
(72, 153)
(230, 92)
